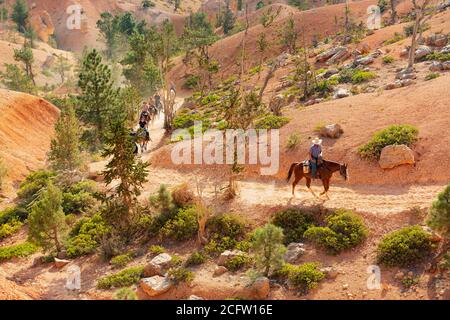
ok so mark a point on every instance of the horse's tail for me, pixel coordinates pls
(291, 170)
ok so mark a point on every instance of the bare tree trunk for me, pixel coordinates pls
(412, 50)
(393, 11)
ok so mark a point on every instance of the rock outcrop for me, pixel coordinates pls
(395, 155)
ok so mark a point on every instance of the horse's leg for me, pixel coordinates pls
(308, 185)
(296, 181)
(326, 187)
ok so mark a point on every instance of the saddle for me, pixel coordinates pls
(307, 167)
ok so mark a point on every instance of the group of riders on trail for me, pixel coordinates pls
(148, 114)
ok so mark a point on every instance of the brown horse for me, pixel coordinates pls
(324, 172)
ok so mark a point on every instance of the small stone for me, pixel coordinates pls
(219, 270)
(345, 286)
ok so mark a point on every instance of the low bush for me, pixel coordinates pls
(30, 187)
(360, 76)
(388, 59)
(85, 236)
(196, 258)
(191, 82)
(432, 76)
(293, 141)
(306, 276)
(121, 260)
(395, 134)
(124, 278)
(405, 247)
(396, 38)
(179, 275)
(125, 294)
(343, 230)
(79, 198)
(271, 122)
(325, 87)
(8, 229)
(439, 56)
(238, 262)
(156, 249)
(183, 226)
(224, 231)
(294, 223)
(185, 120)
(17, 251)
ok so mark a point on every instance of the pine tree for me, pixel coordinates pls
(62, 66)
(129, 171)
(98, 97)
(228, 21)
(64, 152)
(269, 248)
(25, 55)
(16, 79)
(289, 36)
(109, 27)
(46, 219)
(20, 15)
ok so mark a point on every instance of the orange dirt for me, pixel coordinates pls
(26, 126)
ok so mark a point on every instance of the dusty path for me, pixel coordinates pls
(362, 198)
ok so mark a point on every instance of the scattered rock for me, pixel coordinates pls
(446, 49)
(219, 270)
(333, 131)
(341, 93)
(227, 255)
(158, 265)
(436, 66)
(41, 22)
(345, 286)
(294, 252)
(330, 72)
(260, 288)
(405, 74)
(395, 155)
(327, 54)
(60, 263)
(156, 285)
(364, 61)
(364, 48)
(330, 272)
(436, 40)
(340, 56)
(399, 275)
(422, 51)
(194, 297)
(446, 65)
(404, 52)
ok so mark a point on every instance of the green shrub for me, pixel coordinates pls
(325, 86)
(7, 229)
(306, 276)
(186, 120)
(293, 141)
(343, 230)
(125, 294)
(271, 122)
(191, 82)
(183, 226)
(176, 261)
(17, 251)
(179, 275)
(388, 59)
(156, 249)
(13, 214)
(121, 260)
(294, 223)
(237, 262)
(124, 278)
(30, 187)
(395, 134)
(224, 232)
(79, 198)
(439, 56)
(85, 236)
(196, 258)
(404, 247)
(360, 76)
(396, 38)
(432, 76)
(209, 99)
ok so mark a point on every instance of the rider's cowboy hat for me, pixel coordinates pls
(316, 140)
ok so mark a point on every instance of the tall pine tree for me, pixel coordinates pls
(98, 96)
(64, 152)
(20, 15)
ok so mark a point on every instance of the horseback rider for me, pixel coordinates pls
(315, 155)
(158, 103)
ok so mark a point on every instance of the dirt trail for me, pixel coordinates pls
(382, 199)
